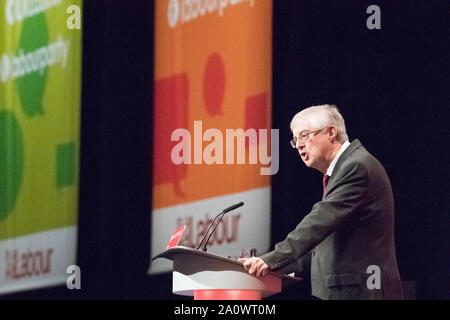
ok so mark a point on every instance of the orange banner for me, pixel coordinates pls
(213, 62)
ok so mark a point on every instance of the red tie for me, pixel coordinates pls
(326, 178)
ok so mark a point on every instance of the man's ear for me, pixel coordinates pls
(332, 133)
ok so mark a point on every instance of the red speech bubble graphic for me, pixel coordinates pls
(214, 84)
(256, 112)
(170, 112)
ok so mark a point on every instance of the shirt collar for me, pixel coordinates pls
(333, 163)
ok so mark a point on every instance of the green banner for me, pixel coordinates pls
(40, 92)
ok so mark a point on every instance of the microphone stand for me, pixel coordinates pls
(203, 239)
(235, 206)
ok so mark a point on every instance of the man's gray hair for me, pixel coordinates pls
(322, 116)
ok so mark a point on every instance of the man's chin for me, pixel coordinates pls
(307, 163)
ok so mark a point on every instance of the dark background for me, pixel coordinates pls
(391, 85)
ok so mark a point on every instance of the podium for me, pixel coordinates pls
(207, 276)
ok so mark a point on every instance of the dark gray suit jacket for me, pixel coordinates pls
(351, 229)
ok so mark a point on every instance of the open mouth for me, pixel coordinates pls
(303, 154)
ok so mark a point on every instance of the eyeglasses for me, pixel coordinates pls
(305, 136)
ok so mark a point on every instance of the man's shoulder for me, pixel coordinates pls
(355, 152)
(358, 156)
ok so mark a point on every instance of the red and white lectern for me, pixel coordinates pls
(207, 276)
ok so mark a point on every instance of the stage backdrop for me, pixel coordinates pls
(40, 60)
(212, 82)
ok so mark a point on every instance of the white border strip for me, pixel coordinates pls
(37, 260)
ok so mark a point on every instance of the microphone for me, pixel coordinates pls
(230, 208)
(234, 206)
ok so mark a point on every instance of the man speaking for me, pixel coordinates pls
(348, 235)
